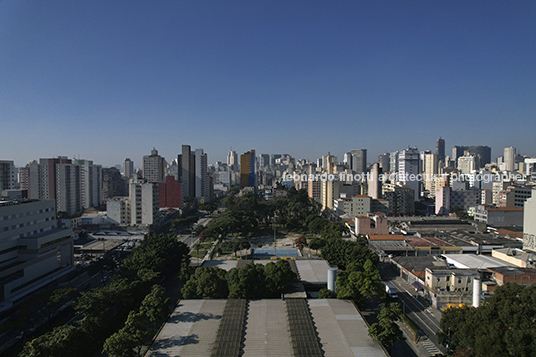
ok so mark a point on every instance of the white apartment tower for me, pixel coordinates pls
(232, 160)
(408, 169)
(68, 188)
(90, 183)
(144, 202)
(510, 158)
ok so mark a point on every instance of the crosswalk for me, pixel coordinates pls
(430, 347)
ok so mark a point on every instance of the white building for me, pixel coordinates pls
(408, 169)
(510, 158)
(90, 183)
(468, 163)
(529, 224)
(118, 210)
(144, 202)
(33, 250)
(430, 171)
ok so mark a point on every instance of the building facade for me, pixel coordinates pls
(33, 250)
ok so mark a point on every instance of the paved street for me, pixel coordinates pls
(426, 317)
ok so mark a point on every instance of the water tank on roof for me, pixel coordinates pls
(332, 278)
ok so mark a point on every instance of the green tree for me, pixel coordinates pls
(278, 276)
(325, 294)
(209, 282)
(247, 282)
(386, 331)
(503, 326)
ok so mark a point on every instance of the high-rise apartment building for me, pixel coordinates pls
(202, 183)
(359, 160)
(510, 158)
(440, 149)
(144, 202)
(430, 172)
(128, 168)
(7, 175)
(393, 162)
(468, 163)
(47, 177)
(91, 183)
(385, 162)
(68, 188)
(113, 184)
(375, 184)
(408, 169)
(154, 167)
(247, 170)
(170, 193)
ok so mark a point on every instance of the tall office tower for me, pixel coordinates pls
(47, 177)
(201, 175)
(468, 163)
(440, 149)
(510, 158)
(347, 159)
(359, 160)
(264, 160)
(154, 167)
(128, 168)
(484, 153)
(385, 162)
(91, 183)
(408, 169)
(144, 202)
(375, 184)
(186, 162)
(7, 175)
(393, 162)
(422, 163)
(232, 160)
(112, 184)
(68, 188)
(430, 171)
(247, 170)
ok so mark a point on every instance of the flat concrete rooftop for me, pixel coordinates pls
(193, 326)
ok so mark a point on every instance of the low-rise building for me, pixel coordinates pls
(499, 216)
(450, 279)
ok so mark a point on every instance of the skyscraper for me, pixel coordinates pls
(68, 188)
(201, 175)
(91, 183)
(408, 168)
(186, 163)
(440, 149)
(7, 175)
(232, 160)
(247, 170)
(484, 152)
(154, 167)
(510, 158)
(359, 160)
(128, 168)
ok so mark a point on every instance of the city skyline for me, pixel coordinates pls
(106, 81)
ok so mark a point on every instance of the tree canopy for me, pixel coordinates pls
(505, 324)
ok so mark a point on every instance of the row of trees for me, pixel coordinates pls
(505, 325)
(251, 214)
(122, 313)
(253, 281)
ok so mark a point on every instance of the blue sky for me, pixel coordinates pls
(105, 80)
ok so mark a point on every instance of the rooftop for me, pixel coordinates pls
(194, 327)
(513, 270)
(473, 261)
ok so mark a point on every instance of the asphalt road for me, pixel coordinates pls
(426, 317)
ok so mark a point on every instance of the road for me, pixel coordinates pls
(190, 239)
(426, 317)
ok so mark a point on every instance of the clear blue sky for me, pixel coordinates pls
(111, 79)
